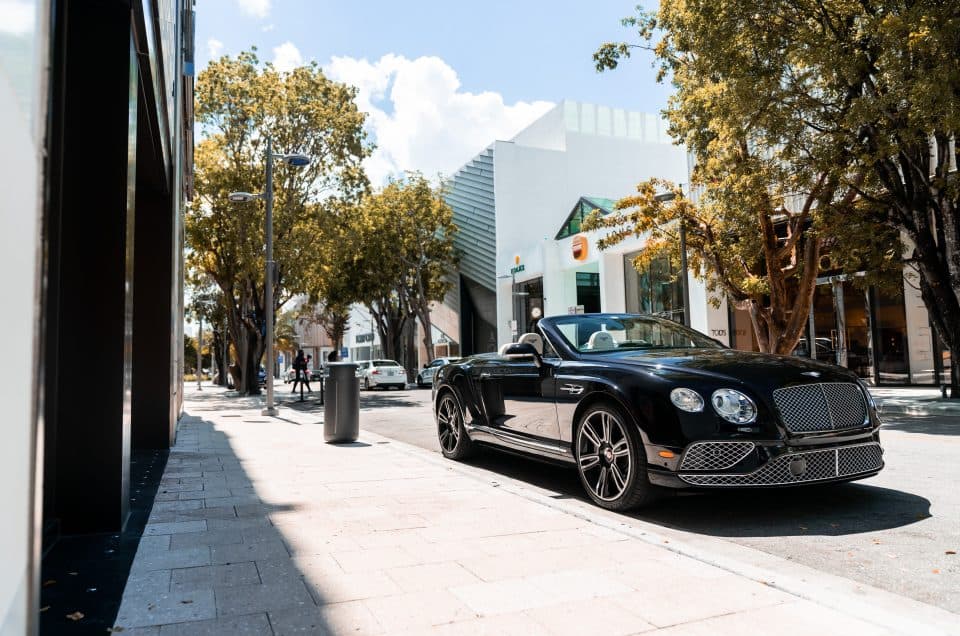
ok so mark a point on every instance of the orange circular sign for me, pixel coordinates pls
(580, 247)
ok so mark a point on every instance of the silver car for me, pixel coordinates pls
(382, 373)
(425, 377)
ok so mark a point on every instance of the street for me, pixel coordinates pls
(895, 531)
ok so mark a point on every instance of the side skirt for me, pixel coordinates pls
(556, 452)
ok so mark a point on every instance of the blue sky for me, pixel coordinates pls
(441, 79)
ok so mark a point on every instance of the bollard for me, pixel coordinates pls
(341, 409)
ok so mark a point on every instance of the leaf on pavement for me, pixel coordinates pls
(950, 552)
(935, 571)
(75, 616)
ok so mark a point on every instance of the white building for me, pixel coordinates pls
(511, 201)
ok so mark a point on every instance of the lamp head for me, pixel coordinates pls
(242, 197)
(297, 161)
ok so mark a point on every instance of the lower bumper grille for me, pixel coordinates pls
(802, 467)
(714, 455)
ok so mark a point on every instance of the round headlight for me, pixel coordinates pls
(687, 400)
(733, 406)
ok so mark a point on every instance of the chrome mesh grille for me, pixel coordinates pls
(714, 455)
(827, 406)
(819, 465)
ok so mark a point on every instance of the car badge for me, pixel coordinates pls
(812, 374)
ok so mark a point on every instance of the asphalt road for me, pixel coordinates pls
(893, 531)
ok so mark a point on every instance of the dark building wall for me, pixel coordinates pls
(112, 252)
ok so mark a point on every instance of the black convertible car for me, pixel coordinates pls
(637, 402)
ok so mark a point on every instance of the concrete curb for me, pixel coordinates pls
(942, 408)
(878, 607)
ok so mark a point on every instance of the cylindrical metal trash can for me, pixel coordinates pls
(341, 408)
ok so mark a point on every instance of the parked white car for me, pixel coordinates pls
(425, 377)
(382, 373)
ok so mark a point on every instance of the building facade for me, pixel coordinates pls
(510, 200)
(96, 112)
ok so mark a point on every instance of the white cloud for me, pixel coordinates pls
(256, 8)
(267, 28)
(287, 57)
(17, 17)
(419, 117)
(214, 47)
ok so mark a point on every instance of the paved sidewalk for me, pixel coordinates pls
(914, 401)
(260, 527)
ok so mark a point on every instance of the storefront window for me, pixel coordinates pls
(891, 345)
(588, 292)
(656, 290)
(530, 295)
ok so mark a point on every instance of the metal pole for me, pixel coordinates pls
(683, 272)
(200, 353)
(226, 355)
(268, 281)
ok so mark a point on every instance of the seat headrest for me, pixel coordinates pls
(532, 339)
(600, 341)
(503, 348)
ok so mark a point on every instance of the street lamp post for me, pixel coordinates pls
(200, 352)
(297, 161)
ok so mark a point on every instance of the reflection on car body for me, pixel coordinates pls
(638, 403)
(425, 377)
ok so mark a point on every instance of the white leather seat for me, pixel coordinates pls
(532, 339)
(601, 341)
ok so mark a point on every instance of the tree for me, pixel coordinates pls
(772, 99)
(405, 233)
(240, 104)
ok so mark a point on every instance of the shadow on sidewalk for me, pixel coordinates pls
(826, 510)
(215, 555)
(926, 424)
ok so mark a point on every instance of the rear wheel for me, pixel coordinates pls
(366, 384)
(610, 459)
(420, 383)
(454, 443)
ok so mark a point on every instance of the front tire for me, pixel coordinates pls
(610, 459)
(451, 433)
(420, 383)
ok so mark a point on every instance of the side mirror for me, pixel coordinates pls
(523, 349)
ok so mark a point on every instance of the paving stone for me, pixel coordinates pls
(262, 597)
(378, 559)
(211, 537)
(160, 609)
(263, 550)
(340, 618)
(250, 625)
(146, 583)
(153, 543)
(186, 558)
(176, 506)
(236, 522)
(210, 576)
(351, 587)
(419, 609)
(173, 528)
(594, 616)
(431, 576)
(204, 494)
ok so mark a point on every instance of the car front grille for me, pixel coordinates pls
(827, 406)
(714, 455)
(802, 467)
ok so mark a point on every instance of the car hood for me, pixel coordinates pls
(755, 369)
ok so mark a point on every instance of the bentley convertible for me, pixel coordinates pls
(637, 403)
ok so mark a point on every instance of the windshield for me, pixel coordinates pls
(385, 363)
(594, 333)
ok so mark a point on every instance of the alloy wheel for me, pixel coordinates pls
(604, 455)
(448, 423)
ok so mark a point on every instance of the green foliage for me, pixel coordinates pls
(240, 103)
(809, 123)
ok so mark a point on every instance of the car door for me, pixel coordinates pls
(519, 399)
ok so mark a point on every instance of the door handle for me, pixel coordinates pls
(572, 389)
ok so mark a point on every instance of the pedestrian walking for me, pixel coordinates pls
(299, 364)
(307, 370)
